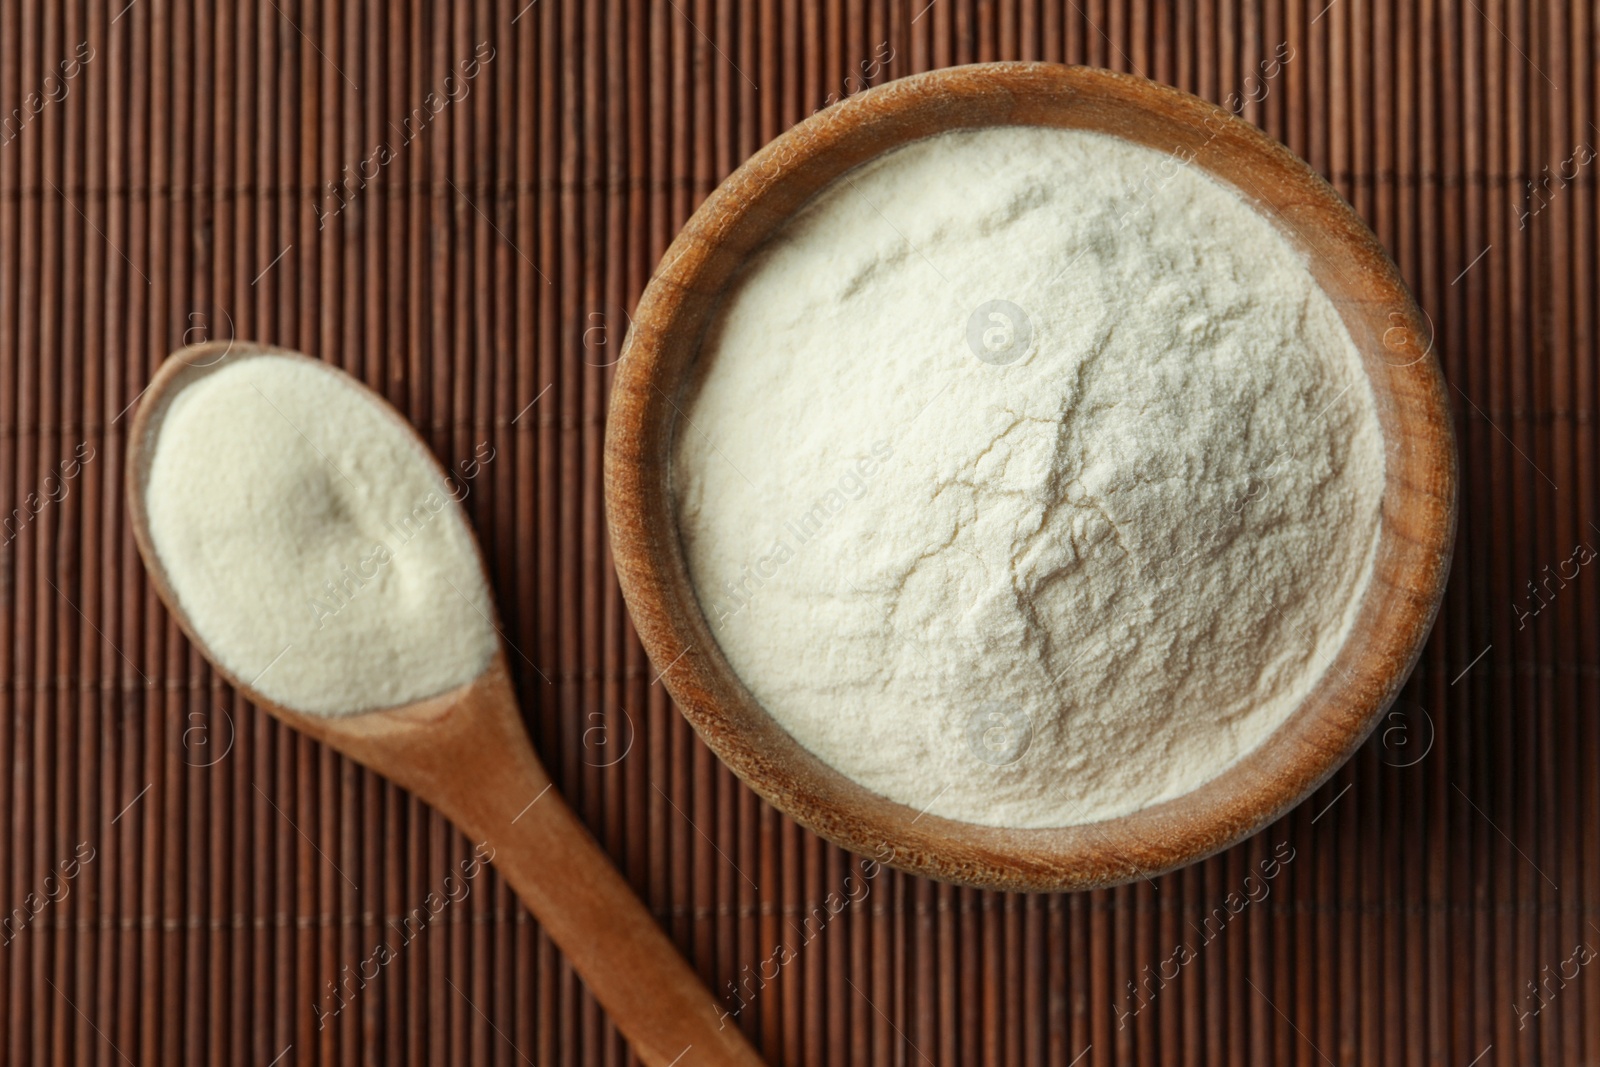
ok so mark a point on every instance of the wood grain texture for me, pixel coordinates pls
(488, 266)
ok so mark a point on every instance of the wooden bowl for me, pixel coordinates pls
(1417, 523)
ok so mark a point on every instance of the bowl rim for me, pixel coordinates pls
(1416, 525)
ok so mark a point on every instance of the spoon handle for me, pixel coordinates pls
(610, 938)
(499, 793)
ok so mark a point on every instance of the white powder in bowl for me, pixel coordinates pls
(1028, 477)
(315, 549)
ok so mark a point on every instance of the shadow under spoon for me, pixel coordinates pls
(466, 753)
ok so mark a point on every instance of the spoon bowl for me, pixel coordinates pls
(466, 753)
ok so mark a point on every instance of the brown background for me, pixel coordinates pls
(237, 868)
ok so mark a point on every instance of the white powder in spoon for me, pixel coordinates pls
(1029, 478)
(313, 545)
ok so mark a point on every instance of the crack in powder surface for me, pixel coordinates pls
(1054, 584)
(312, 543)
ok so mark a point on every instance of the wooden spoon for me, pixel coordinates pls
(465, 752)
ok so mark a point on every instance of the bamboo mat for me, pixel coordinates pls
(190, 882)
